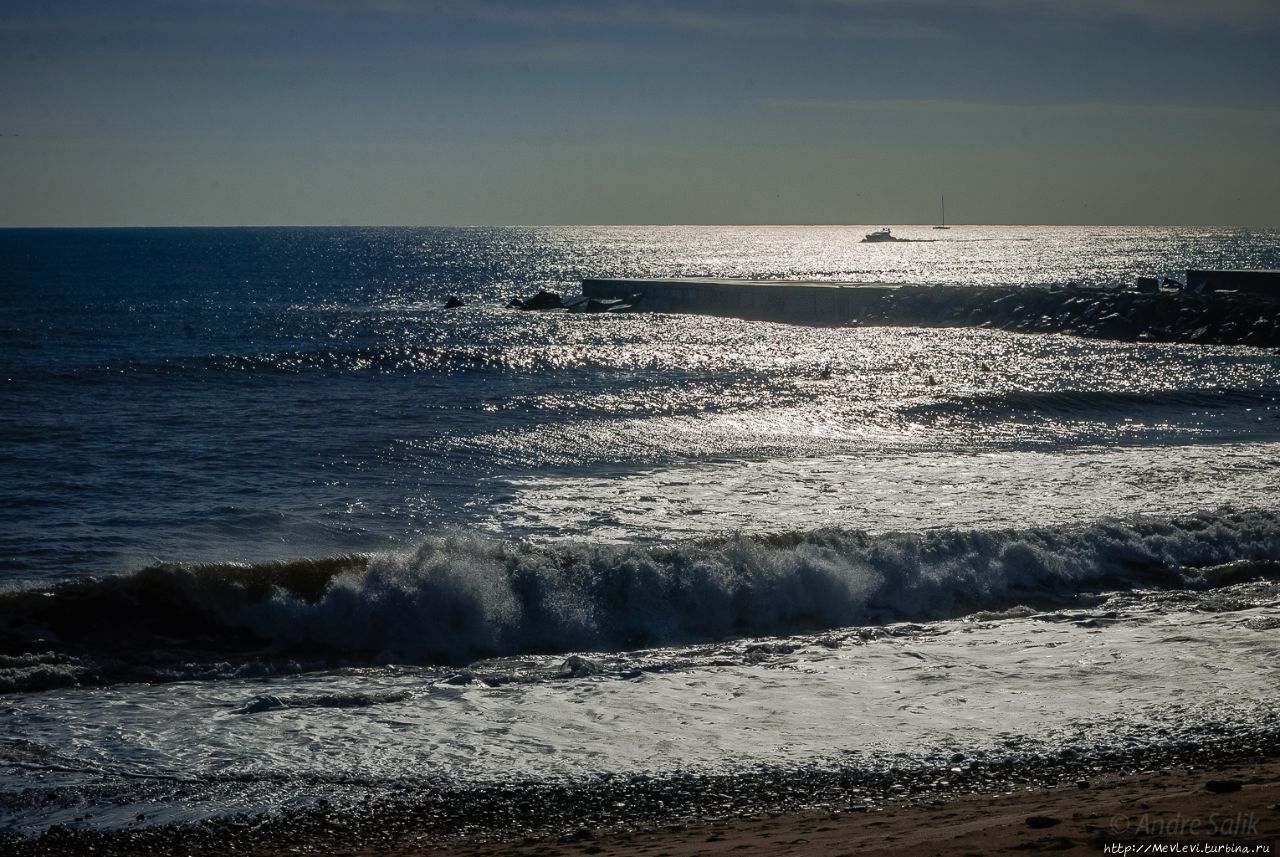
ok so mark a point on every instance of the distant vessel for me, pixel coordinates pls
(943, 224)
(878, 235)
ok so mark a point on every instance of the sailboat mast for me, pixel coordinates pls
(943, 224)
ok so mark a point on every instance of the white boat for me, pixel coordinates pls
(878, 235)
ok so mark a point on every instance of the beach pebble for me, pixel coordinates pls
(1223, 786)
(1039, 822)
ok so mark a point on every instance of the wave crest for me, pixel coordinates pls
(1070, 403)
(461, 597)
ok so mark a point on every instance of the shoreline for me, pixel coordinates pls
(1111, 814)
(1075, 800)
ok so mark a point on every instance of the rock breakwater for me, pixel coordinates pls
(1167, 316)
(1156, 314)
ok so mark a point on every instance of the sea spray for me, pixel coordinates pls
(460, 596)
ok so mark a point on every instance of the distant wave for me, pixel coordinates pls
(515, 356)
(1062, 403)
(461, 597)
(402, 359)
(349, 359)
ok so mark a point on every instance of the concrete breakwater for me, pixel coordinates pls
(1233, 318)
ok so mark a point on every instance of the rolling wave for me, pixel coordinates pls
(461, 597)
(391, 359)
(400, 359)
(510, 356)
(1068, 403)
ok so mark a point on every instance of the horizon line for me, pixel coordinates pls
(815, 225)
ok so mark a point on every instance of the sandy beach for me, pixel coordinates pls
(1114, 813)
(1217, 797)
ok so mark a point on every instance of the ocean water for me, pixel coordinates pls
(277, 526)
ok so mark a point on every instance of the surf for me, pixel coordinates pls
(460, 596)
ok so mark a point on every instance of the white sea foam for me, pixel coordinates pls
(922, 489)
(1117, 676)
(461, 597)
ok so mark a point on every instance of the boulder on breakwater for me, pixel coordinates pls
(545, 300)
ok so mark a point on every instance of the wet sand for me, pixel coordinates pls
(1164, 806)
(1215, 795)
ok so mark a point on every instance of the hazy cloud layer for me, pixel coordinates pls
(499, 111)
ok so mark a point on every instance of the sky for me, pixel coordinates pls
(493, 112)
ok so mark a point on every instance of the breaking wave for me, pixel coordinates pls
(1069, 403)
(444, 359)
(461, 597)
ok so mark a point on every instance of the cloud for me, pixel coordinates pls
(789, 16)
(619, 18)
(729, 17)
(1246, 15)
(1236, 14)
(1095, 110)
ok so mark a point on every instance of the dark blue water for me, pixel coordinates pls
(618, 514)
(170, 388)
(247, 394)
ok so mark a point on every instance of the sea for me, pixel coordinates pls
(276, 527)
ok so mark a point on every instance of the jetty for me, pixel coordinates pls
(795, 301)
(1210, 314)
(1257, 282)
